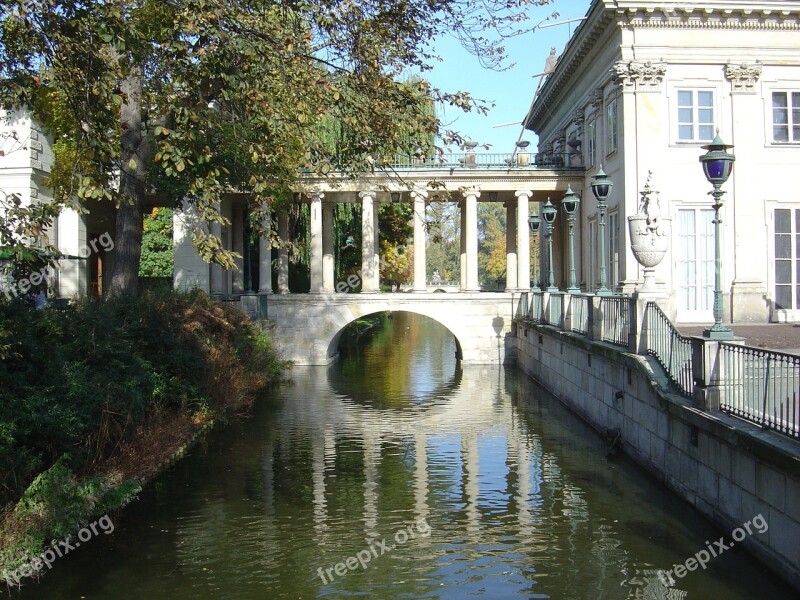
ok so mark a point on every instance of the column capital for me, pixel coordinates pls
(315, 195)
(523, 193)
(419, 193)
(475, 192)
(368, 194)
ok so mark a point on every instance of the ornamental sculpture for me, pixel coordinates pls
(649, 230)
(743, 77)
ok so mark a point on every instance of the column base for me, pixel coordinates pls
(748, 303)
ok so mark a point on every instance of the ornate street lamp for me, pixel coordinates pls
(570, 203)
(601, 188)
(549, 213)
(535, 222)
(717, 166)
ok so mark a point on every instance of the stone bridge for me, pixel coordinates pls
(307, 327)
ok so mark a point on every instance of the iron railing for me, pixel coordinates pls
(490, 160)
(672, 350)
(761, 386)
(615, 311)
(580, 306)
(555, 314)
(536, 307)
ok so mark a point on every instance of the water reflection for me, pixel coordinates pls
(518, 494)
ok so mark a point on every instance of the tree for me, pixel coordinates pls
(192, 99)
(157, 257)
(492, 243)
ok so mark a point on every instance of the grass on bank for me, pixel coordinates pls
(94, 398)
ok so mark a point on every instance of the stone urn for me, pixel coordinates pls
(649, 231)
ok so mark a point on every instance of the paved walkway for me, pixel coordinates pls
(774, 336)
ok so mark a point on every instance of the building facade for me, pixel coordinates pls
(640, 87)
(84, 239)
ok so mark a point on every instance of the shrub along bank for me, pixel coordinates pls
(95, 397)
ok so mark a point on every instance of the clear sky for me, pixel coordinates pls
(511, 90)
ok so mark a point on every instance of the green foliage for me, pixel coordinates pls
(157, 255)
(54, 506)
(491, 243)
(77, 381)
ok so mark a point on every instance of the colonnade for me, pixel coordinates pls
(322, 261)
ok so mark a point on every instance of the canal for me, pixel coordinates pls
(398, 473)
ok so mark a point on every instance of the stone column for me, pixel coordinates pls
(237, 244)
(265, 258)
(472, 239)
(367, 241)
(419, 197)
(327, 247)
(283, 254)
(740, 213)
(511, 247)
(315, 267)
(376, 251)
(217, 284)
(523, 241)
(463, 239)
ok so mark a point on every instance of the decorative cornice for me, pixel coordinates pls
(743, 77)
(708, 17)
(642, 76)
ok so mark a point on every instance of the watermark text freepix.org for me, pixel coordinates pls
(375, 550)
(59, 549)
(757, 524)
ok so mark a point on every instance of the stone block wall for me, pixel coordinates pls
(728, 469)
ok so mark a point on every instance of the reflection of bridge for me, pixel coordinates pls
(308, 326)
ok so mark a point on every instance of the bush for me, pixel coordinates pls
(75, 382)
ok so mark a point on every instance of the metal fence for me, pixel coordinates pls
(489, 160)
(580, 306)
(616, 314)
(536, 301)
(555, 316)
(672, 350)
(761, 386)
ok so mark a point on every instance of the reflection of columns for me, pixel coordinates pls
(471, 460)
(376, 248)
(367, 241)
(463, 239)
(524, 487)
(318, 483)
(327, 247)
(523, 241)
(237, 245)
(216, 285)
(421, 474)
(419, 239)
(315, 267)
(372, 456)
(265, 257)
(472, 239)
(511, 246)
(283, 254)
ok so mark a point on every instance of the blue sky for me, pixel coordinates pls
(511, 90)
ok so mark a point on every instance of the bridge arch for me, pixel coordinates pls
(307, 327)
(333, 346)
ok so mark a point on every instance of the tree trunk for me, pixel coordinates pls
(129, 216)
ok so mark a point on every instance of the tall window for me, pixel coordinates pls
(611, 125)
(613, 248)
(591, 142)
(594, 269)
(787, 261)
(785, 117)
(695, 115)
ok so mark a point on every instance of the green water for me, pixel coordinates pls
(452, 482)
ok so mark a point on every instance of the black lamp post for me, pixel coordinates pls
(717, 166)
(535, 222)
(549, 213)
(601, 188)
(570, 204)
